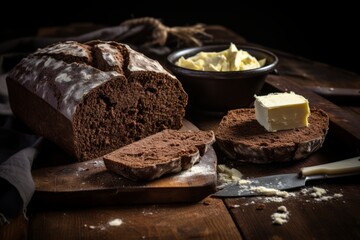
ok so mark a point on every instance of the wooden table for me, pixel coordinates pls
(235, 218)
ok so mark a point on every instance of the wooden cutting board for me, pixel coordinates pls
(89, 183)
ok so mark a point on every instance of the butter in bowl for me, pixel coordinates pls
(219, 78)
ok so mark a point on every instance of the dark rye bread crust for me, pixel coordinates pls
(93, 98)
(169, 151)
(241, 137)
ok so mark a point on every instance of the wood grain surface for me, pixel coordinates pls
(308, 218)
(235, 218)
(208, 219)
(16, 230)
(89, 183)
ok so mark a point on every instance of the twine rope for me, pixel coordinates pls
(161, 32)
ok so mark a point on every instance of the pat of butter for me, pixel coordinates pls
(281, 111)
(230, 59)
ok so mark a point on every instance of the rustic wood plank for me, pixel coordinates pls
(309, 219)
(90, 183)
(15, 230)
(337, 218)
(312, 73)
(208, 219)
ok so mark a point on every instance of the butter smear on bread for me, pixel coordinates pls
(282, 111)
(230, 59)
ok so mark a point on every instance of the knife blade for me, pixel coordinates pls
(290, 181)
(350, 95)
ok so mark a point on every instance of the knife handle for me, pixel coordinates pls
(348, 166)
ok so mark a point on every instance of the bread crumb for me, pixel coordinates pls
(116, 222)
(227, 176)
(282, 209)
(99, 163)
(323, 198)
(338, 195)
(281, 216)
(234, 206)
(248, 203)
(80, 169)
(319, 194)
(269, 191)
(243, 181)
(146, 213)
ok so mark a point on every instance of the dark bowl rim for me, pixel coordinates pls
(262, 70)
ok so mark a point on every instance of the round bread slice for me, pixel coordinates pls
(241, 137)
(168, 151)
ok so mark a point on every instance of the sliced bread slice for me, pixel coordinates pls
(241, 137)
(168, 151)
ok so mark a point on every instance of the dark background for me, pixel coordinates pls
(328, 34)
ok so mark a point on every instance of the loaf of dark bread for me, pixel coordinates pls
(241, 137)
(93, 98)
(169, 151)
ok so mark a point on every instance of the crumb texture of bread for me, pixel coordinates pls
(242, 138)
(93, 98)
(169, 151)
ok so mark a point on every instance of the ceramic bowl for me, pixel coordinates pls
(211, 91)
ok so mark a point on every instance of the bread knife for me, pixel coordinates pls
(290, 181)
